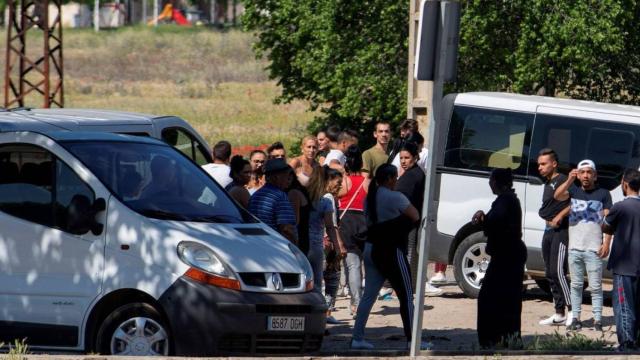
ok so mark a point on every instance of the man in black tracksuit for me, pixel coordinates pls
(556, 237)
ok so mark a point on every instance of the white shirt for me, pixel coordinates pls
(422, 162)
(335, 154)
(219, 172)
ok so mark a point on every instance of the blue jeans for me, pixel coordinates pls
(316, 259)
(625, 307)
(579, 263)
(372, 285)
(353, 267)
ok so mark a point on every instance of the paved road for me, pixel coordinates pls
(450, 322)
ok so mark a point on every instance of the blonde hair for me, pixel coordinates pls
(307, 138)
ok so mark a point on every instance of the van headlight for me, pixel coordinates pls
(304, 264)
(205, 266)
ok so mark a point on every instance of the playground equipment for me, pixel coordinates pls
(169, 13)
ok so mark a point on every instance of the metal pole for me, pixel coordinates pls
(144, 11)
(155, 13)
(427, 222)
(96, 15)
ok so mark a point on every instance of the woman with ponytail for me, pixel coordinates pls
(390, 216)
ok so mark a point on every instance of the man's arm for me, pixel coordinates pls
(562, 192)
(557, 220)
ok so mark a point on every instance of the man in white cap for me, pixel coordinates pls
(589, 205)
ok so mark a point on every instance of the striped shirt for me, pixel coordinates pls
(271, 205)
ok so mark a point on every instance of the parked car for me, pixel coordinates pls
(482, 131)
(121, 245)
(171, 129)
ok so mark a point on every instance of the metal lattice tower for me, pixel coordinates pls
(41, 72)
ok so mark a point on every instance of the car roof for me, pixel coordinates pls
(64, 136)
(530, 103)
(60, 117)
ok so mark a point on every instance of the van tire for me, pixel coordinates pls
(473, 246)
(129, 317)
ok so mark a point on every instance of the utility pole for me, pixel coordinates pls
(436, 58)
(419, 93)
(25, 73)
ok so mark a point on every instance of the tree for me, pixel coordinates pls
(348, 58)
(580, 49)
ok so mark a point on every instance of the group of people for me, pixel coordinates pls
(342, 208)
(358, 213)
(583, 228)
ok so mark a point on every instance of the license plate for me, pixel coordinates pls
(285, 323)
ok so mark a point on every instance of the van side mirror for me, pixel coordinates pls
(81, 215)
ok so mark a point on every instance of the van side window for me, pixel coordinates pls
(184, 142)
(483, 139)
(612, 146)
(36, 186)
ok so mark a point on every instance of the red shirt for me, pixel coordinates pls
(360, 196)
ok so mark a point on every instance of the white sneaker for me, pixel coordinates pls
(385, 291)
(438, 278)
(431, 290)
(361, 345)
(554, 320)
(569, 319)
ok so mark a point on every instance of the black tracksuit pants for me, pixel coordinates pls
(392, 263)
(555, 254)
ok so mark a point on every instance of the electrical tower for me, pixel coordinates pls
(30, 70)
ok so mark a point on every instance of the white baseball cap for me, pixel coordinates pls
(586, 163)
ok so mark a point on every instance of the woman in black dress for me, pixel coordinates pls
(500, 298)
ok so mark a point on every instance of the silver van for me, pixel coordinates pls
(482, 131)
(171, 129)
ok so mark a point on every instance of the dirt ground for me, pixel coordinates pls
(450, 321)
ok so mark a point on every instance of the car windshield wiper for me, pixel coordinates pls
(161, 214)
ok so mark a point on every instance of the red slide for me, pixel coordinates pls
(179, 19)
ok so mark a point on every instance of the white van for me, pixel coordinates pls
(121, 245)
(482, 131)
(171, 129)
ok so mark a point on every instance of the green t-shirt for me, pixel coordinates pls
(373, 158)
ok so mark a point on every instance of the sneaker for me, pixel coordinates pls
(388, 297)
(431, 290)
(554, 320)
(361, 345)
(424, 345)
(576, 325)
(332, 320)
(597, 326)
(438, 278)
(569, 319)
(385, 291)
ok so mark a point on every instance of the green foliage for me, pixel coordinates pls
(584, 49)
(348, 58)
(570, 341)
(17, 350)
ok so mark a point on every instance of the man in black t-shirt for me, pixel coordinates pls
(556, 237)
(623, 221)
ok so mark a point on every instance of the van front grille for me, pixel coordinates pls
(270, 344)
(283, 309)
(257, 279)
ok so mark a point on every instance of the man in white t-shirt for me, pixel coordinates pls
(219, 170)
(336, 157)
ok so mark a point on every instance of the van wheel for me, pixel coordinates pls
(470, 263)
(134, 329)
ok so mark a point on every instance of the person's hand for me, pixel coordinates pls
(555, 222)
(604, 251)
(478, 217)
(573, 174)
(343, 251)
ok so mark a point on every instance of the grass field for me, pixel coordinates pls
(208, 77)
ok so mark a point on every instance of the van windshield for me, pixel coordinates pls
(158, 182)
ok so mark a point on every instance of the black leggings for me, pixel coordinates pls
(392, 264)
